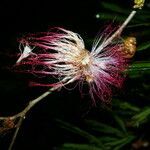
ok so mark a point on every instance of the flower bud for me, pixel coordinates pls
(129, 47)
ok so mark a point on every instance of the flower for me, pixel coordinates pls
(61, 53)
(138, 4)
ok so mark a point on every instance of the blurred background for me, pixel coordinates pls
(65, 120)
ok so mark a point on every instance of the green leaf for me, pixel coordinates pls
(141, 117)
(71, 146)
(114, 7)
(115, 17)
(140, 65)
(126, 141)
(125, 106)
(143, 46)
(137, 69)
(106, 139)
(120, 122)
(91, 138)
(109, 16)
(121, 142)
(103, 128)
(139, 25)
(143, 16)
(116, 143)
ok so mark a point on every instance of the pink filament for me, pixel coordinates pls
(55, 53)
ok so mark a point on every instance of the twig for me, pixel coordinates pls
(118, 32)
(21, 115)
(16, 133)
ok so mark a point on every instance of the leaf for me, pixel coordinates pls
(125, 106)
(139, 25)
(114, 7)
(141, 117)
(138, 68)
(121, 142)
(142, 65)
(103, 128)
(144, 46)
(110, 16)
(120, 122)
(92, 139)
(106, 139)
(71, 146)
(124, 142)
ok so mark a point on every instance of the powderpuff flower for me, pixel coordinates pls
(61, 53)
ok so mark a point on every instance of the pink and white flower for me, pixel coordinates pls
(62, 54)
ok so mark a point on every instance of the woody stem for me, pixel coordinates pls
(118, 32)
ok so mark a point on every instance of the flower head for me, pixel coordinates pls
(62, 54)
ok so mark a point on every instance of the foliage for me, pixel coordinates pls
(125, 124)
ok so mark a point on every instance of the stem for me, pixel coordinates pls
(16, 133)
(21, 115)
(118, 32)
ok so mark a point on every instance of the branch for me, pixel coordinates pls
(118, 32)
(21, 115)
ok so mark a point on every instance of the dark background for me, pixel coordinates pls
(30, 16)
(39, 130)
